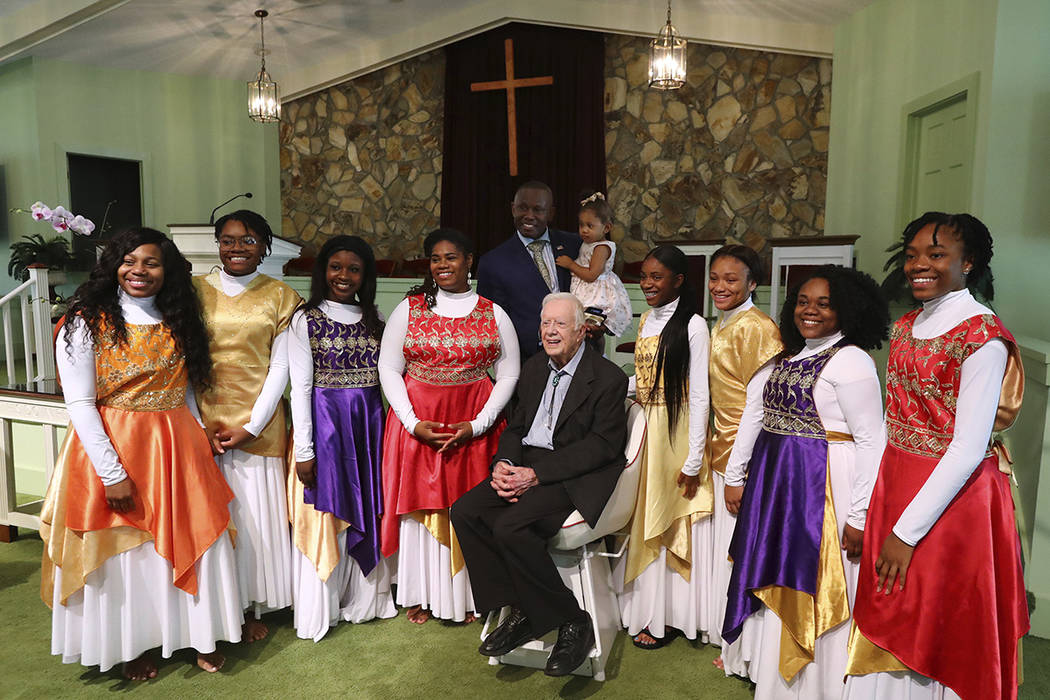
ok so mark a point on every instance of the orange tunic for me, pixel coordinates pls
(181, 499)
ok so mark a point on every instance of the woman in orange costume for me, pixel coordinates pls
(940, 601)
(136, 554)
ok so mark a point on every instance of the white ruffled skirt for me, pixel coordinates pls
(264, 543)
(347, 595)
(424, 574)
(896, 686)
(129, 606)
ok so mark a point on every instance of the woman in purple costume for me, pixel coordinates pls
(809, 474)
(334, 494)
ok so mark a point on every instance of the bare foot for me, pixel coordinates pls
(470, 617)
(141, 669)
(718, 663)
(417, 614)
(253, 630)
(211, 662)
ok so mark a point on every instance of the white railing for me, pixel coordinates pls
(34, 303)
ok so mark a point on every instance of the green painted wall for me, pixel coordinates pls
(897, 51)
(18, 138)
(192, 134)
(886, 55)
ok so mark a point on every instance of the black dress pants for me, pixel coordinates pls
(505, 548)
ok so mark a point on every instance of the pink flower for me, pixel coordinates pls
(40, 212)
(60, 219)
(81, 225)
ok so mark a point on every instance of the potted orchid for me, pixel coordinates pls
(53, 252)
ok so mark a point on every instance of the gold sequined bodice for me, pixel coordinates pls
(145, 374)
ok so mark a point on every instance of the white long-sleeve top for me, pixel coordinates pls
(276, 375)
(75, 361)
(699, 399)
(980, 383)
(848, 399)
(449, 305)
(301, 372)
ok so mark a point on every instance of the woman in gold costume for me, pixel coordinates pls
(744, 343)
(670, 537)
(247, 314)
(136, 555)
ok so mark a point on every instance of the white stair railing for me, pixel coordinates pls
(34, 305)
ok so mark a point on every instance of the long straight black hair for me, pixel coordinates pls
(672, 354)
(366, 295)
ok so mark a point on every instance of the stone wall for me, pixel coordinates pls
(364, 158)
(740, 150)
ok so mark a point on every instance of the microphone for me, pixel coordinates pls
(211, 219)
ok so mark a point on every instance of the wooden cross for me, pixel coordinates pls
(509, 84)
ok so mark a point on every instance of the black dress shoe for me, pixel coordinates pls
(575, 641)
(508, 636)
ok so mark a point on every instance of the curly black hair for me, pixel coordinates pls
(366, 295)
(429, 288)
(863, 312)
(97, 301)
(253, 222)
(672, 354)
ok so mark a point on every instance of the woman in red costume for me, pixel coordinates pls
(940, 601)
(444, 422)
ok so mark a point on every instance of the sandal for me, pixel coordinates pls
(657, 642)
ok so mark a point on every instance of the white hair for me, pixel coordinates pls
(577, 307)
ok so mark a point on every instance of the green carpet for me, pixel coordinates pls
(383, 659)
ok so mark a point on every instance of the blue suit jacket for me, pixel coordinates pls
(507, 275)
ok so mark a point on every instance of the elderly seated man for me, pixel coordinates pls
(562, 450)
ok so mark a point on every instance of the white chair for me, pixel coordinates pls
(574, 550)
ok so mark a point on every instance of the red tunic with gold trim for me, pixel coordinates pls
(963, 610)
(446, 375)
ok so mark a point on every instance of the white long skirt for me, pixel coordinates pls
(903, 685)
(264, 544)
(660, 598)
(424, 574)
(737, 656)
(347, 595)
(129, 606)
(823, 678)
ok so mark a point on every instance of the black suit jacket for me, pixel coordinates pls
(589, 436)
(507, 275)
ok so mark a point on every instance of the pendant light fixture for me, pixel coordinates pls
(264, 101)
(667, 57)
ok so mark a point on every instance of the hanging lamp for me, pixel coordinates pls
(264, 101)
(667, 57)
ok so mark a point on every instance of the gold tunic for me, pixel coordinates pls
(738, 349)
(662, 517)
(242, 330)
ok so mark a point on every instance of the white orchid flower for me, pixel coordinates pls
(81, 225)
(40, 211)
(60, 219)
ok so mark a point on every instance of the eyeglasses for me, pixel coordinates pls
(228, 242)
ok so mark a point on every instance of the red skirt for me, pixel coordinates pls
(963, 608)
(416, 476)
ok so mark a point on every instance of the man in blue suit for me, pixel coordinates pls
(519, 272)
